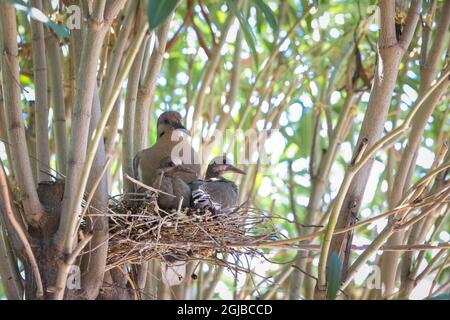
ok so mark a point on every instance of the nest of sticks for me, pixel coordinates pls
(140, 231)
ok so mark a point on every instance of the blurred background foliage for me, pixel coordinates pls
(321, 50)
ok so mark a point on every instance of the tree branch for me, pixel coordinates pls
(6, 201)
(410, 24)
(40, 88)
(16, 131)
(146, 91)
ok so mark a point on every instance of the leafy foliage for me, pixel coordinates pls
(270, 17)
(334, 276)
(248, 33)
(38, 15)
(158, 11)
(318, 51)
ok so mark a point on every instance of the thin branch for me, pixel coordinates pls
(410, 24)
(141, 184)
(92, 193)
(373, 247)
(16, 131)
(442, 267)
(41, 93)
(9, 271)
(64, 268)
(147, 88)
(387, 26)
(57, 96)
(81, 118)
(292, 198)
(19, 231)
(188, 18)
(277, 283)
(118, 52)
(107, 108)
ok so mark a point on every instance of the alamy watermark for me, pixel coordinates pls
(373, 281)
(74, 278)
(74, 19)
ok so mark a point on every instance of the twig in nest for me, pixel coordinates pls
(147, 232)
(139, 183)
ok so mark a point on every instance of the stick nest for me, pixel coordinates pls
(140, 231)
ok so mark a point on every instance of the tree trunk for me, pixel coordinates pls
(390, 53)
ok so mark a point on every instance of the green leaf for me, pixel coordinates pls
(20, 2)
(334, 276)
(216, 296)
(248, 33)
(25, 80)
(60, 31)
(221, 16)
(270, 16)
(158, 11)
(305, 128)
(22, 6)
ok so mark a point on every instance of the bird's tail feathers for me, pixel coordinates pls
(136, 165)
